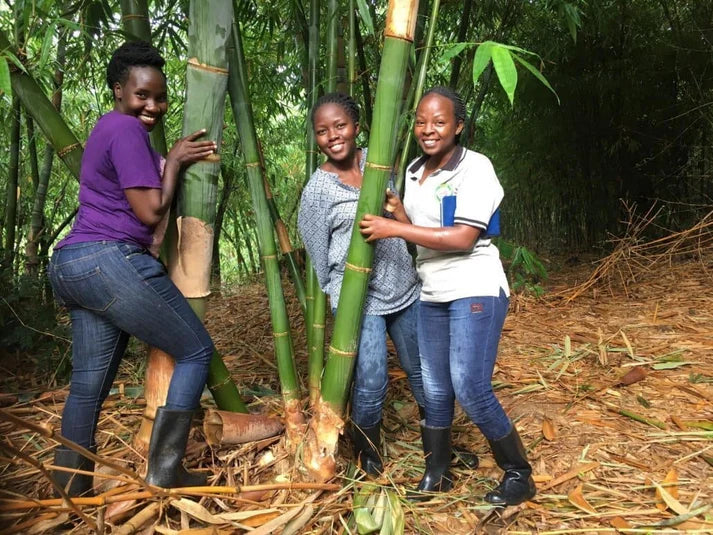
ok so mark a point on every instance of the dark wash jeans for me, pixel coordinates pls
(459, 343)
(371, 376)
(114, 290)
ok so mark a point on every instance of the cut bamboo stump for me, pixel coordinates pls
(223, 427)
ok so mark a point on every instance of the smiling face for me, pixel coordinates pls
(143, 95)
(436, 127)
(335, 132)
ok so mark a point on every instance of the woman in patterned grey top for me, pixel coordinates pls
(326, 217)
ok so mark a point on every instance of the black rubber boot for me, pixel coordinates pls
(462, 456)
(73, 484)
(437, 450)
(166, 449)
(366, 443)
(517, 485)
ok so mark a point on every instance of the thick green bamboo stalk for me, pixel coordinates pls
(312, 77)
(351, 47)
(462, 37)
(422, 69)
(12, 180)
(137, 27)
(332, 43)
(400, 23)
(242, 111)
(45, 115)
(206, 83)
(327, 420)
(316, 299)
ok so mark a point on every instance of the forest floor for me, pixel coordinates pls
(612, 392)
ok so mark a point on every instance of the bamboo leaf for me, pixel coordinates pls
(398, 520)
(5, 83)
(47, 45)
(548, 429)
(481, 59)
(671, 482)
(506, 71)
(537, 74)
(452, 51)
(680, 519)
(671, 365)
(576, 498)
(365, 16)
(672, 503)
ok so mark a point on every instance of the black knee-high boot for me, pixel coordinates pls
(437, 450)
(517, 485)
(167, 447)
(366, 443)
(73, 484)
(460, 455)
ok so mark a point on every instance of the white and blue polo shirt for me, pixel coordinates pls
(472, 193)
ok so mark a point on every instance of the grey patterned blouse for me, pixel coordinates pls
(325, 222)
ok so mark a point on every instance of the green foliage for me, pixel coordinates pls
(525, 271)
(503, 58)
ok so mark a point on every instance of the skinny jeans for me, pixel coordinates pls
(371, 376)
(114, 290)
(459, 344)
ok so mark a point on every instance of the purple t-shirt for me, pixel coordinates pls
(117, 156)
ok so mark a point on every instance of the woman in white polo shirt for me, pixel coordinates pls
(451, 196)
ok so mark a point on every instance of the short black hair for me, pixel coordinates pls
(347, 103)
(447, 92)
(132, 54)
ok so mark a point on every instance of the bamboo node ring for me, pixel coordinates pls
(193, 62)
(378, 167)
(358, 269)
(69, 148)
(280, 335)
(339, 352)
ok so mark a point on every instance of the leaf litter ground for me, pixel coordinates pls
(612, 391)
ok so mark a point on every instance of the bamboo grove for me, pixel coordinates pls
(237, 210)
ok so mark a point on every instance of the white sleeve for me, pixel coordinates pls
(479, 194)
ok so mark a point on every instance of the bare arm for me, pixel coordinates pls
(150, 204)
(395, 207)
(456, 238)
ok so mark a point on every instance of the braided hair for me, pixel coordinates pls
(455, 98)
(132, 54)
(347, 103)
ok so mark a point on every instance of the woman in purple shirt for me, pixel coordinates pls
(114, 287)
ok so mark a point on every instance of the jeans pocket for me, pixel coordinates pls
(130, 250)
(88, 289)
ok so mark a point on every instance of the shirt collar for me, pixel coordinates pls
(450, 165)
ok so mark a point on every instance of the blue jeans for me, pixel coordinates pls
(114, 290)
(459, 344)
(371, 371)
